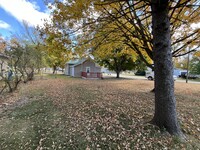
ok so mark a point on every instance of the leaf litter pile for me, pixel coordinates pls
(70, 113)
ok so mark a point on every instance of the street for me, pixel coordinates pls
(127, 76)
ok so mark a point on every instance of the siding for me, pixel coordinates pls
(81, 68)
(3, 66)
(92, 66)
(77, 71)
(70, 70)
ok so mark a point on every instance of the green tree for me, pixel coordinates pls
(117, 61)
(56, 46)
(195, 65)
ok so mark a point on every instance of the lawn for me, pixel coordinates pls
(71, 113)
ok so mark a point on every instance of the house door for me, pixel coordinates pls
(88, 69)
(72, 73)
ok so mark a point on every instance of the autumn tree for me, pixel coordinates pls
(113, 54)
(30, 38)
(56, 46)
(117, 60)
(32, 60)
(13, 51)
(133, 20)
(195, 64)
(23, 61)
(2, 45)
(181, 63)
(2, 50)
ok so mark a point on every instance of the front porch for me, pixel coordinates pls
(92, 75)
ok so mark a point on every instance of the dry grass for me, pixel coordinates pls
(68, 113)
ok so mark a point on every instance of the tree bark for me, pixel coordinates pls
(117, 74)
(165, 115)
(54, 69)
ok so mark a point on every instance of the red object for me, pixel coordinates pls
(92, 75)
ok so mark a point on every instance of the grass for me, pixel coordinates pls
(52, 76)
(72, 113)
(193, 80)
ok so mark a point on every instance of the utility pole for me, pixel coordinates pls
(188, 63)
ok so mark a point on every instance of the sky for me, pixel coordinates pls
(14, 12)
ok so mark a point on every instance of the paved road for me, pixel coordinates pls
(113, 75)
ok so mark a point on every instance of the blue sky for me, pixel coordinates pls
(14, 12)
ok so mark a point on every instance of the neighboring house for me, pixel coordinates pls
(3, 61)
(3, 64)
(85, 68)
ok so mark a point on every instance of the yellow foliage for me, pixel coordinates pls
(105, 25)
(197, 54)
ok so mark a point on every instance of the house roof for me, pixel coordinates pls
(76, 62)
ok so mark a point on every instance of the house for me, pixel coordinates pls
(3, 64)
(85, 68)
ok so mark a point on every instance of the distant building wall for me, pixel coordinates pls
(3, 65)
(77, 70)
(92, 65)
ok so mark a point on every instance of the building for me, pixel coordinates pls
(3, 64)
(85, 68)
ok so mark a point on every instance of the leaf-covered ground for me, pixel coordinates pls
(70, 113)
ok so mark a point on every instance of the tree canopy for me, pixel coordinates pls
(117, 59)
(155, 30)
(96, 22)
(195, 64)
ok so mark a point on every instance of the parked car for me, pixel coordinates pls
(140, 73)
(150, 76)
(183, 74)
(191, 76)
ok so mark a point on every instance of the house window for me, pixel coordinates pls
(88, 69)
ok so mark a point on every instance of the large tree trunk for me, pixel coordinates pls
(165, 104)
(117, 72)
(54, 69)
